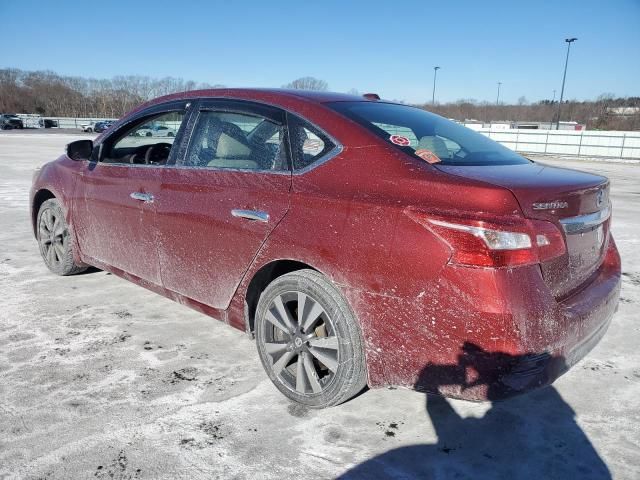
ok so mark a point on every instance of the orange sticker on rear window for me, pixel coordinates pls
(427, 155)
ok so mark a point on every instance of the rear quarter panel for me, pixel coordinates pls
(347, 219)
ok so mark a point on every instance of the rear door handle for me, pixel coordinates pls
(143, 197)
(256, 215)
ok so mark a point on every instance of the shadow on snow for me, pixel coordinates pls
(533, 436)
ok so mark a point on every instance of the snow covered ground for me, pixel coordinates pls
(100, 378)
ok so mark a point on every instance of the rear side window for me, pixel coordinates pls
(223, 139)
(308, 143)
(426, 135)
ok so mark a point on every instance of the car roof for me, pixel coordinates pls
(316, 96)
(295, 101)
(275, 95)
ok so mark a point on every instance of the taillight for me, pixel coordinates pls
(549, 240)
(490, 244)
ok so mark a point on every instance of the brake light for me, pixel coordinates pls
(489, 244)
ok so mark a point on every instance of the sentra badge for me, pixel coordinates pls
(550, 205)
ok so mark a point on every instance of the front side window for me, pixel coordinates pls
(148, 142)
(426, 135)
(223, 139)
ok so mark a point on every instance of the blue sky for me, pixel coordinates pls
(389, 48)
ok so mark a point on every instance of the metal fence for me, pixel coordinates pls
(609, 144)
(71, 122)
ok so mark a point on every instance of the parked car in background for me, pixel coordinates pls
(360, 241)
(100, 127)
(9, 121)
(156, 131)
(87, 127)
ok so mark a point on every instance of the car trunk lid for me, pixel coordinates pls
(576, 202)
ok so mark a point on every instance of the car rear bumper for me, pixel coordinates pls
(537, 370)
(489, 334)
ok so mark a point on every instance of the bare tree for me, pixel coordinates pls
(50, 94)
(307, 83)
(595, 114)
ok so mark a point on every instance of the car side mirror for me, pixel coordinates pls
(80, 150)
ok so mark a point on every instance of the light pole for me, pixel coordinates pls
(564, 77)
(553, 100)
(498, 97)
(433, 95)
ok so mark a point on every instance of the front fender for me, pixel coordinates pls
(57, 180)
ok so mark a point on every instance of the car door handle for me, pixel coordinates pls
(143, 197)
(256, 215)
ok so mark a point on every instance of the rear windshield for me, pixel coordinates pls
(426, 135)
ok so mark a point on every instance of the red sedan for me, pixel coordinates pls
(362, 242)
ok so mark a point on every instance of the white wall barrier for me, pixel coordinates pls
(71, 122)
(586, 143)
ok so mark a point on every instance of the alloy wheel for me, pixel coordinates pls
(301, 342)
(52, 237)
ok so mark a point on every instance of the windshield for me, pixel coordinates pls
(426, 135)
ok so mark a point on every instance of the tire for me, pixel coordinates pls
(316, 359)
(148, 134)
(55, 241)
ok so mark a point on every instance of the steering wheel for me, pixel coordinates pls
(157, 153)
(136, 157)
